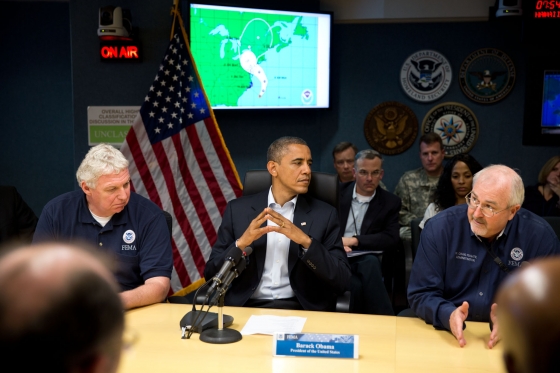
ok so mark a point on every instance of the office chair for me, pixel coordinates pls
(322, 186)
(410, 252)
(554, 222)
(415, 234)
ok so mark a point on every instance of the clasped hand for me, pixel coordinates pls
(555, 187)
(459, 316)
(256, 230)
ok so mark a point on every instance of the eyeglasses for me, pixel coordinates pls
(487, 211)
(374, 174)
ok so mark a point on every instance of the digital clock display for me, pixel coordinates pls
(547, 9)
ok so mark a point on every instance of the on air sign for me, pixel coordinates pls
(120, 51)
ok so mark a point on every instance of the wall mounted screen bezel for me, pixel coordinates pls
(296, 64)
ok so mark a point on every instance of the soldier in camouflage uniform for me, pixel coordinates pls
(416, 187)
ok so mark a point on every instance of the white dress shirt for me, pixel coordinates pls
(358, 209)
(275, 281)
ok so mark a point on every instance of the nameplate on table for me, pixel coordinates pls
(316, 345)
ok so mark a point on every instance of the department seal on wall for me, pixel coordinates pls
(487, 75)
(456, 124)
(391, 128)
(426, 75)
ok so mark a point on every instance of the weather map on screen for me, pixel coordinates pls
(551, 99)
(256, 58)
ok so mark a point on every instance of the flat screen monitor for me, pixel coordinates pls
(550, 117)
(250, 58)
(542, 101)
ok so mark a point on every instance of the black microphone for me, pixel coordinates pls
(232, 258)
(236, 271)
(228, 279)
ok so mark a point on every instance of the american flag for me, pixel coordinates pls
(178, 159)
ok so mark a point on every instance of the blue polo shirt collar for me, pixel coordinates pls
(86, 217)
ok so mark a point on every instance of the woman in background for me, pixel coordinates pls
(454, 184)
(543, 198)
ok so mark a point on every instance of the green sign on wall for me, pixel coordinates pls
(110, 124)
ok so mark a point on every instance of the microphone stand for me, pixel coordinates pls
(220, 335)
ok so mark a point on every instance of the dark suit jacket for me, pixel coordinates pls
(380, 227)
(316, 276)
(17, 220)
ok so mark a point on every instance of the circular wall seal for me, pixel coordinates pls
(391, 128)
(456, 124)
(487, 75)
(426, 75)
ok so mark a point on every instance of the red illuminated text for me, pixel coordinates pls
(119, 52)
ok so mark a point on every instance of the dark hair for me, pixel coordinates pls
(430, 138)
(82, 320)
(342, 146)
(279, 147)
(444, 196)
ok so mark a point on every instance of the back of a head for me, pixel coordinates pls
(528, 309)
(62, 325)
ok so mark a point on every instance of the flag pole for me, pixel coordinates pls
(175, 12)
(177, 15)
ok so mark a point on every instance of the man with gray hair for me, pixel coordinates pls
(467, 250)
(107, 214)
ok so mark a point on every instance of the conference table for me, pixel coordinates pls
(386, 344)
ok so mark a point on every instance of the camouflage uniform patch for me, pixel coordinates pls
(416, 191)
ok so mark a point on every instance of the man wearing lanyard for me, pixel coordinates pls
(467, 250)
(369, 216)
(298, 261)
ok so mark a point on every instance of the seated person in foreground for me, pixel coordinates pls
(544, 198)
(528, 309)
(298, 261)
(106, 214)
(59, 311)
(466, 251)
(454, 184)
(369, 217)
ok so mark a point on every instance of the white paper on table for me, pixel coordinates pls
(268, 324)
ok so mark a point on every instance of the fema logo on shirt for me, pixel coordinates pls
(516, 254)
(129, 236)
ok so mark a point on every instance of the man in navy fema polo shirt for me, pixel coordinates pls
(106, 214)
(466, 251)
